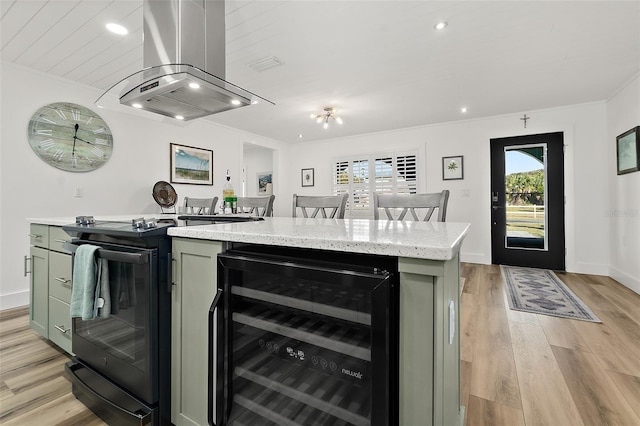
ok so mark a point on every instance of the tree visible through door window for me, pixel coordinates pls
(392, 173)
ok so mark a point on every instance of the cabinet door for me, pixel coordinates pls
(57, 238)
(39, 307)
(59, 323)
(60, 274)
(194, 279)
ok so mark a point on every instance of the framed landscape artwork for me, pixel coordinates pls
(628, 151)
(452, 168)
(264, 178)
(191, 165)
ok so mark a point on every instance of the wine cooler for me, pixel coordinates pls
(303, 338)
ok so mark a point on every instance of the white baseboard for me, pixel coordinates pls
(474, 258)
(14, 300)
(589, 268)
(625, 279)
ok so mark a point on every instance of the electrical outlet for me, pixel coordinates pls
(77, 192)
(465, 193)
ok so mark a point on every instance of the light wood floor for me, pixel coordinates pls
(33, 389)
(527, 369)
(517, 368)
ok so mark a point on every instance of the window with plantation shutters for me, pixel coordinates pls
(392, 173)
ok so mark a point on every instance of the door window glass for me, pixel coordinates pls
(525, 189)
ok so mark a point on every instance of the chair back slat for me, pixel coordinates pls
(200, 205)
(260, 206)
(327, 206)
(412, 204)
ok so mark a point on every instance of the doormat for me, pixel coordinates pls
(540, 291)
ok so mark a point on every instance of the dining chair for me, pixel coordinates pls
(332, 206)
(413, 204)
(260, 206)
(200, 205)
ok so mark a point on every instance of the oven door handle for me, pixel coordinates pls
(219, 333)
(139, 258)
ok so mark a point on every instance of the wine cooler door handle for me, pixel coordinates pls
(216, 308)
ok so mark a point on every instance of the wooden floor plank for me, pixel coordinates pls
(65, 410)
(546, 400)
(481, 412)
(495, 379)
(467, 325)
(623, 298)
(598, 399)
(561, 332)
(629, 387)
(612, 352)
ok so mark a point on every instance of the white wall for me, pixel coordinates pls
(587, 153)
(32, 188)
(622, 211)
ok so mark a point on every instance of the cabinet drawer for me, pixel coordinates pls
(59, 324)
(39, 235)
(57, 238)
(60, 274)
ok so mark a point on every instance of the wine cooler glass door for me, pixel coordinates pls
(308, 343)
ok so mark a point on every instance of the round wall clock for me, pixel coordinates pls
(70, 137)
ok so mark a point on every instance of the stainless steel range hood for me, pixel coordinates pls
(184, 60)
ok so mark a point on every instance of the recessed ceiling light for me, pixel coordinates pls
(235, 102)
(255, 101)
(300, 135)
(179, 117)
(136, 105)
(117, 28)
(194, 85)
(441, 25)
(463, 109)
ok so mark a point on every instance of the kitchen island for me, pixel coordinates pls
(428, 264)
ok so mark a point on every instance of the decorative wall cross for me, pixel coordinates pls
(525, 118)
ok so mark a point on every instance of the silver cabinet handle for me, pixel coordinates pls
(35, 236)
(26, 259)
(61, 241)
(61, 280)
(61, 328)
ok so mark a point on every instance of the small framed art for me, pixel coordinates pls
(628, 151)
(452, 168)
(307, 177)
(191, 165)
(264, 179)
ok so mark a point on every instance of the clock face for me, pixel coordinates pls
(70, 137)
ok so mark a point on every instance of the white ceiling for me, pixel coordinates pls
(380, 63)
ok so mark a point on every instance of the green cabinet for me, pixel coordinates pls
(39, 291)
(429, 336)
(194, 287)
(51, 275)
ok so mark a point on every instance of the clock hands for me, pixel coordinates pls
(73, 151)
(80, 139)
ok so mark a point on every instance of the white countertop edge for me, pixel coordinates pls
(310, 241)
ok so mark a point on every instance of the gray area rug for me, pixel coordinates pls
(540, 291)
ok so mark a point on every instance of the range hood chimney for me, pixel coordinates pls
(184, 62)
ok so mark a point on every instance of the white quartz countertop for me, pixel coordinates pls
(423, 240)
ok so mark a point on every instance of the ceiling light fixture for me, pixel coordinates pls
(194, 85)
(235, 102)
(463, 109)
(179, 117)
(329, 112)
(117, 28)
(441, 25)
(136, 105)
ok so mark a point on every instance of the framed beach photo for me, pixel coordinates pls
(307, 177)
(452, 168)
(191, 165)
(628, 151)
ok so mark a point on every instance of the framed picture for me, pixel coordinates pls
(191, 165)
(264, 181)
(307, 177)
(452, 168)
(628, 151)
